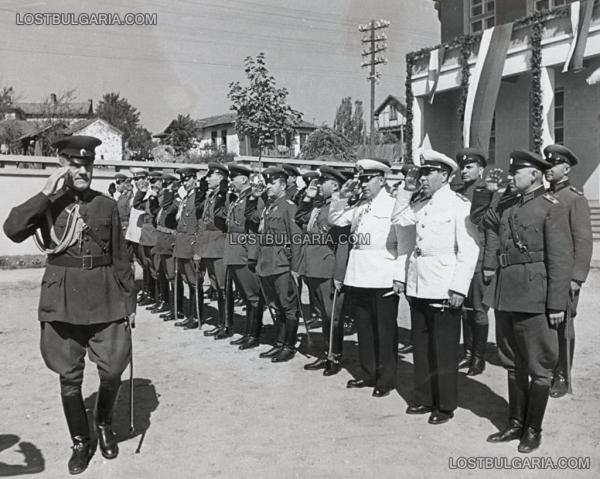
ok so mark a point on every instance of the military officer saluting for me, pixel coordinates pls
(437, 281)
(292, 191)
(372, 265)
(242, 221)
(278, 254)
(88, 290)
(472, 163)
(562, 160)
(319, 262)
(535, 256)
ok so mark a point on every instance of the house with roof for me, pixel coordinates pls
(218, 133)
(112, 138)
(390, 117)
(50, 110)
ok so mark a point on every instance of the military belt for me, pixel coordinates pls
(83, 262)
(434, 252)
(164, 229)
(508, 259)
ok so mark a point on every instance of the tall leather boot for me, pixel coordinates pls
(559, 377)
(536, 407)
(191, 323)
(170, 315)
(467, 326)
(103, 414)
(480, 335)
(156, 294)
(80, 433)
(225, 320)
(517, 406)
(148, 288)
(255, 317)
(275, 350)
(289, 347)
(249, 317)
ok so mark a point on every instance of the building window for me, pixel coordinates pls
(213, 137)
(548, 4)
(482, 15)
(224, 138)
(393, 113)
(492, 146)
(559, 116)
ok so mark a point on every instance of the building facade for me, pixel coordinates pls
(112, 138)
(569, 104)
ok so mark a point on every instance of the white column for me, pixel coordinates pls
(418, 126)
(547, 86)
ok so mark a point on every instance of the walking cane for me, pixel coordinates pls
(567, 340)
(175, 296)
(331, 320)
(131, 326)
(198, 288)
(264, 295)
(308, 340)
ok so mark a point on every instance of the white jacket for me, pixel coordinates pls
(446, 249)
(373, 263)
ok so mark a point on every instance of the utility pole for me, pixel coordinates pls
(376, 45)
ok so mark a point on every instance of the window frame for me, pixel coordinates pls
(470, 19)
(559, 126)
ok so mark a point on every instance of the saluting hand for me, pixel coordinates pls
(53, 181)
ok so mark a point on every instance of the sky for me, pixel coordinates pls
(185, 63)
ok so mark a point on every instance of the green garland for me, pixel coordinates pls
(535, 89)
(466, 49)
(409, 98)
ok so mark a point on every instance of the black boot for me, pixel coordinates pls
(249, 315)
(517, 405)
(560, 386)
(333, 367)
(319, 363)
(536, 407)
(480, 335)
(253, 339)
(157, 296)
(289, 347)
(105, 405)
(224, 320)
(192, 314)
(467, 342)
(80, 434)
(275, 350)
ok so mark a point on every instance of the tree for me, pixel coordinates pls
(182, 133)
(7, 97)
(139, 144)
(119, 113)
(343, 118)
(325, 141)
(358, 124)
(261, 108)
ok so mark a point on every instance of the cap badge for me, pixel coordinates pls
(82, 152)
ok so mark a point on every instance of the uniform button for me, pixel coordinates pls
(87, 251)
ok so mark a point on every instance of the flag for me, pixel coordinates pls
(581, 15)
(436, 58)
(484, 86)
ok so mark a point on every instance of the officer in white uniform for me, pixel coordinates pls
(373, 261)
(438, 275)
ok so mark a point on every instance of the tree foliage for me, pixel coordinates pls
(182, 134)
(349, 122)
(120, 113)
(327, 142)
(261, 107)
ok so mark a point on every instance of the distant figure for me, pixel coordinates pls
(112, 189)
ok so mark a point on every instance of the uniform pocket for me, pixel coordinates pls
(52, 289)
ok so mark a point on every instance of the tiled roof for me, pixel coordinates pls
(81, 124)
(37, 109)
(394, 100)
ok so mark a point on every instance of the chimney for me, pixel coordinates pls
(90, 107)
(53, 98)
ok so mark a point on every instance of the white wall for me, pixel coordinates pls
(111, 148)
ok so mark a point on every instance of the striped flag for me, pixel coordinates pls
(484, 86)
(581, 15)
(436, 58)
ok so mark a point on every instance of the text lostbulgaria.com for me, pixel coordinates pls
(92, 19)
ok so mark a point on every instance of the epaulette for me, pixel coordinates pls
(106, 195)
(575, 190)
(290, 202)
(462, 197)
(550, 198)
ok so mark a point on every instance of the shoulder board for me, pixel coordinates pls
(550, 198)
(575, 190)
(106, 195)
(462, 197)
(290, 202)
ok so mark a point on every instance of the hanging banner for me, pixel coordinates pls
(436, 59)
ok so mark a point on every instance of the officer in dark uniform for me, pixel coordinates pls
(562, 160)
(134, 230)
(88, 290)
(319, 262)
(150, 205)
(162, 253)
(278, 255)
(535, 256)
(211, 242)
(475, 323)
(292, 191)
(242, 221)
(125, 191)
(186, 241)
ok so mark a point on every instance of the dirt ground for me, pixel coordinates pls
(204, 409)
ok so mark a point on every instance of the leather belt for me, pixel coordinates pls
(433, 252)
(164, 229)
(507, 259)
(83, 262)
